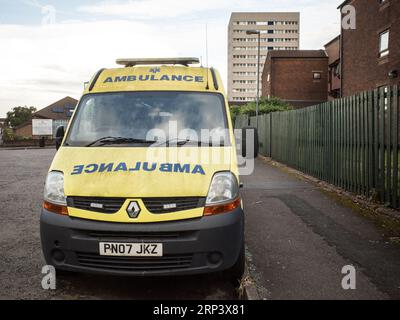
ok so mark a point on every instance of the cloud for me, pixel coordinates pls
(44, 63)
(148, 9)
(319, 18)
(41, 64)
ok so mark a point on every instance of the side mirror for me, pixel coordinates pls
(59, 136)
(250, 144)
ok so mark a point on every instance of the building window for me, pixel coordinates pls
(317, 75)
(384, 44)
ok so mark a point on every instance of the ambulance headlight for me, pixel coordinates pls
(54, 188)
(224, 188)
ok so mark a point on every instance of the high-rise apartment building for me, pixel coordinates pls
(278, 31)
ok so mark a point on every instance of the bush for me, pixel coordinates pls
(8, 134)
(22, 138)
(265, 106)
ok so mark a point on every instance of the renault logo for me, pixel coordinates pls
(133, 209)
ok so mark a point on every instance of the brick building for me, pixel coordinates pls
(332, 49)
(298, 77)
(370, 56)
(60, 112)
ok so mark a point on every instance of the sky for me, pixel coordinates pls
(48, 49)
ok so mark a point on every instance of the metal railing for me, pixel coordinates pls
(351, 142)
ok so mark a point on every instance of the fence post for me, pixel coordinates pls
(382, 144)
(272, 135)
(388, 194)
(371, 147)
(395, 191)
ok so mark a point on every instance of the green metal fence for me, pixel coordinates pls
(351, 142)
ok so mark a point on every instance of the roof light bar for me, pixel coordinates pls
(157, 61)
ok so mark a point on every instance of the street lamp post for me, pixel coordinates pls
(258, 72)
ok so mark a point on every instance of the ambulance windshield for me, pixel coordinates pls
(139, 118)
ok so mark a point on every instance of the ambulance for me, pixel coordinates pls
(145, 181)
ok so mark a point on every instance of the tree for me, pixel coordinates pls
(265, 106)
(19, 115)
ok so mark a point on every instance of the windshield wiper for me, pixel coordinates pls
(119, 140)
(182, 142)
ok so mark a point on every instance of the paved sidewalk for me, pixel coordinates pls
(2, 148)
(299, 239)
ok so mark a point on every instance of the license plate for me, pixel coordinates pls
(131, 249)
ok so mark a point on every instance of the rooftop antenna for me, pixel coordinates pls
(207, 86)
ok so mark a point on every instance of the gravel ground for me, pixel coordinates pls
(22, 175)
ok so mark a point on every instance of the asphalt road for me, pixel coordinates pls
(22, 175)
(298, 240)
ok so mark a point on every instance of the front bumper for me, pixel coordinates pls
(194, 246)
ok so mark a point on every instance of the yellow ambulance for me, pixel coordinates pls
(145, 180)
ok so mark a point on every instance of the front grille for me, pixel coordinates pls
(166, 205)
(167, 262)
(154, 205)
(138, 235)
(96, 204)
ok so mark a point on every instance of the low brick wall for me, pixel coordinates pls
(27, 143)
